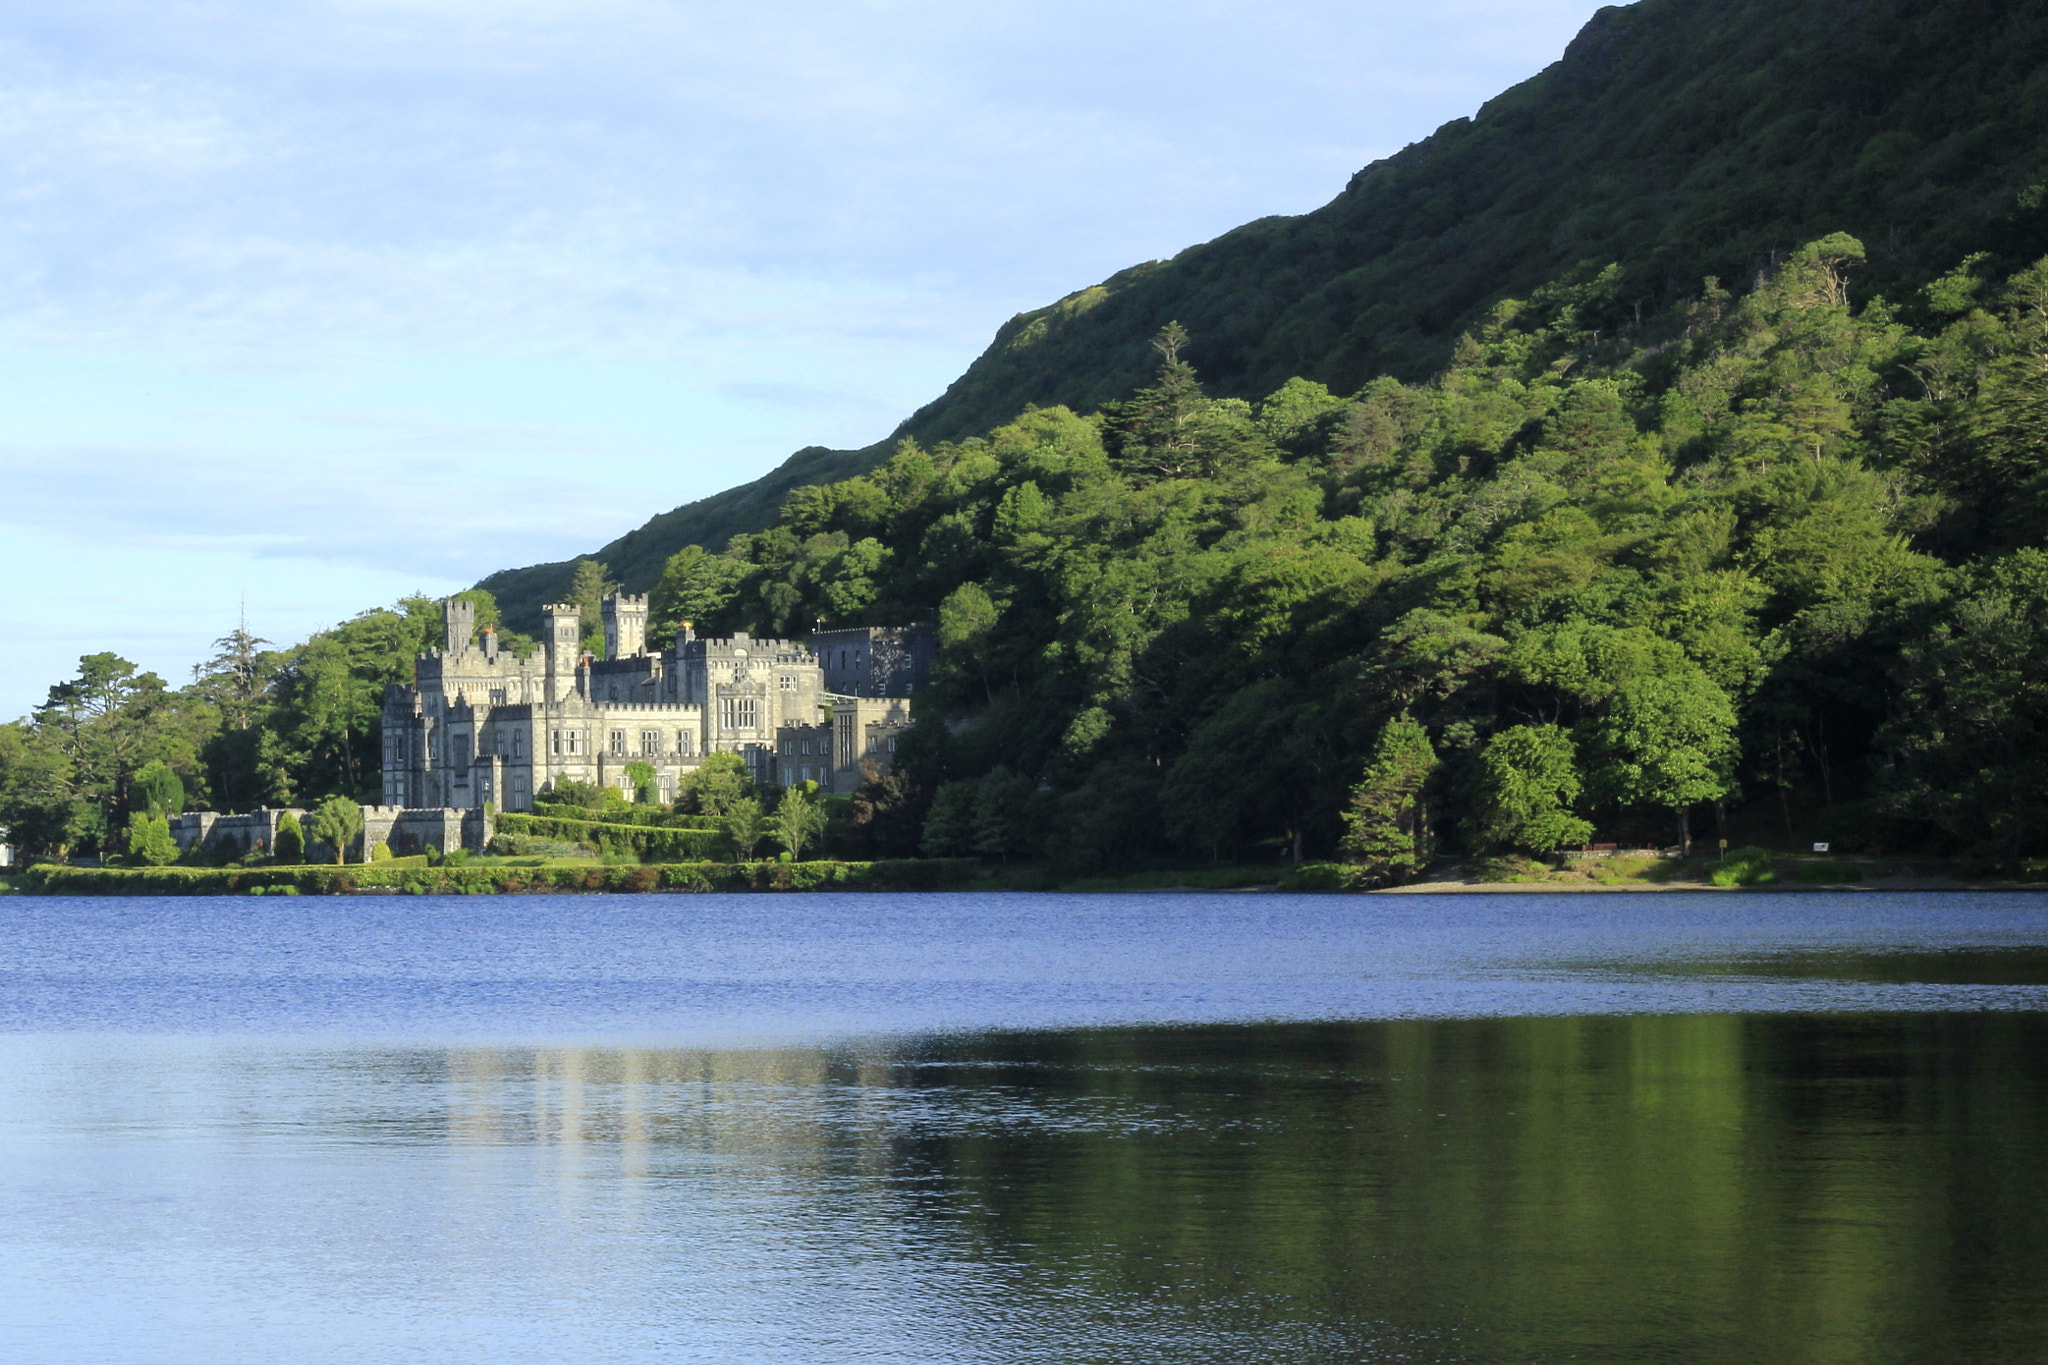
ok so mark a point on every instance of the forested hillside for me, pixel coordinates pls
(1454, 517)
(1676, 138)
(1776, 551)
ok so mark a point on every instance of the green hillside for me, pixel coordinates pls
(1676, 139)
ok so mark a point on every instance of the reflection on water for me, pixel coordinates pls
(937, 1129)
(1672, 1188)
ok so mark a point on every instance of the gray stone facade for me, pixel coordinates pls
(479, 725)
(877, 661)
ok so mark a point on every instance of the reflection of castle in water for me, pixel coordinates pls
(479, 725)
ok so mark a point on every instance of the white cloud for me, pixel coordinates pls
(454, 248)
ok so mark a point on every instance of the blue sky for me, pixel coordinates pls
(313, 303)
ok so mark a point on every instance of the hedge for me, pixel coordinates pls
(647, 843)
(622, 815)
(908, 874)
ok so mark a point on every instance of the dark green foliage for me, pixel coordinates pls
(717, 784)
(291, 840)
(1967, 747)
(1527, 781)
(1387, 825)
(457, 879)
(580, 795)
(618, 813)
(649, 843)
(1610, 586)
(157, 790)
(1679, 139)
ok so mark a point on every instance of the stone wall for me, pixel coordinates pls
(404, 829)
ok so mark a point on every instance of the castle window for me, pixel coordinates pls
(497, 696)
(787, 682)
(650, 743)
(739, 713)
(518, 743)
(619, 743)
(685, 746)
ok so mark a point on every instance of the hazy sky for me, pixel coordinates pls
(313, 303)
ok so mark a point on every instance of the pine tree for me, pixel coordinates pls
(1386, 829)
(149, 841)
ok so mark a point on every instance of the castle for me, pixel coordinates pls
(479, 726)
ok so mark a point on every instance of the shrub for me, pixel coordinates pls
(1744, 867)
(291, 839)
(647, 843)
(149, 841)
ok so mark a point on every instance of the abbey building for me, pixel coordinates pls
(479, 725)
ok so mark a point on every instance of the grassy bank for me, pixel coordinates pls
(1755, 868)
(928, 874)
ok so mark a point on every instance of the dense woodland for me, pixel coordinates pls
(1774, 552)
(1772, 556)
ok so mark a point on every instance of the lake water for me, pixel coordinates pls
(1164, 1128)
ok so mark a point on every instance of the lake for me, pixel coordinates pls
(1039, 1128)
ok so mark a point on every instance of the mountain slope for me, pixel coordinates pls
(1676, 138)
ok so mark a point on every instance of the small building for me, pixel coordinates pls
(864, 733)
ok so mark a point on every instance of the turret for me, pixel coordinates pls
(563, 634)
(625, 625)
(459, 623)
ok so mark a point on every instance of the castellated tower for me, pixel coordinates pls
(459, 624)
(625, 625)
(562, 633)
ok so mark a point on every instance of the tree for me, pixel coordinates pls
(718, 782)
(1665, 741)
(108, 721)
(799, 818)
(336, 822)
(291, 840)
(641, 775)
(38, 801)
(588, 587)
(885, 813)
(949, 825)
(1386, 829)
(744, 825)
(234, 679)
(1527, 779)
(571, 791)
(1005, 804)
(694, 586)
(157, 790)
(149, 841)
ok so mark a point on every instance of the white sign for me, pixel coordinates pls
(1820, 848)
